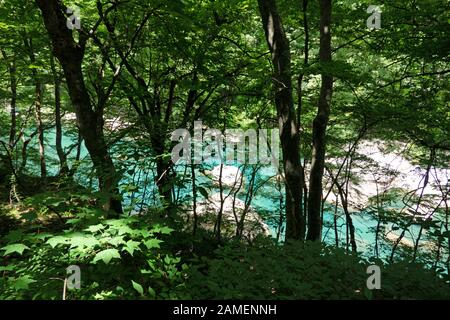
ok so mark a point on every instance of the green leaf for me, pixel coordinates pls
(163, 230)
(106, 255)
(53, 242)
(131, 246)
(22, 282)
(40, 236)
(166, 230)
(138, 287)
(152, 243)
(7, 268)
(144, 233)
(95, 228)
(115, 241)
(124, 230)
(17, 247)
(151, 292)
(82, 240)
(33, 66)
(203, 192)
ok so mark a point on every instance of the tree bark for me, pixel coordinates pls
(38, 92)
(281, 60)
(12, 133)
(64, 169)
(319, 127)
(40, 126)
(70, 54)
(13, 85)
(303, 187)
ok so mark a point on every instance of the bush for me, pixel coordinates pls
(121, 258)
(306, 271)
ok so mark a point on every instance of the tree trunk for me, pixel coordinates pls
(70, 55)
(64, 169)
(38, 91)
(281, 60)
(13, 85)
(303, 187)
(319, 127)
(39, 124)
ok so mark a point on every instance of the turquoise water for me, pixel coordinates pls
(139, 191)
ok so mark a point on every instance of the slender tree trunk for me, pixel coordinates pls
(319, 127)
(348, 217)
(335, 216)
(448, 238)
(343, 195)
(194, 199)
(419, 236)
(218, 223)
(38, 92)
(40, 126)
(163, 165)
(13, 85)
(426, 180)
(281, 60)
(379, 218)
(163, 182)
(303, 193)
(70, 54)
(76, 163)
(64, 169)
(13, 129)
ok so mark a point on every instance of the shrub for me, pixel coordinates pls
(306, 271)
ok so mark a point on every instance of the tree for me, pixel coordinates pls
(90, 122)
(320, 126)
(281, 60)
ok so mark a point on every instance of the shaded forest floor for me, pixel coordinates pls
(146, 257)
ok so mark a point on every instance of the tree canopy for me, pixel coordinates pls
(347, 102)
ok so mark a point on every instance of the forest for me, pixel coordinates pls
(234, 149)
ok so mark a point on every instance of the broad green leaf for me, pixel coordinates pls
(167, 260)
(53, 242)
(22, 282)
(95, 228)
(40, 236)
(151, 292)
(152, 243)
(115, 241)
(82, 240)
(145, 233)
(106, 255)
(17, 247)
(162, 230)
(131, 246)
(138, 287)
(124, 230)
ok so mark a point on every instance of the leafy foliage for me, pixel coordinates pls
(107, 252)
(306, 271)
